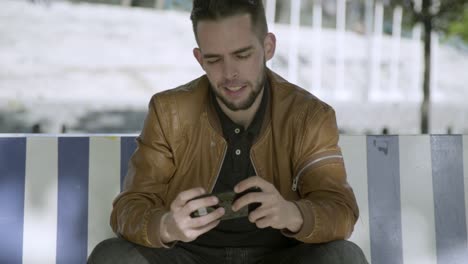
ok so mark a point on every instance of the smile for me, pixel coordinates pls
(234, 89)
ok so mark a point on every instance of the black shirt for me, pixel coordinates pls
(236, 167)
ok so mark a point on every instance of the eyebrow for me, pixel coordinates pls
(241, 50)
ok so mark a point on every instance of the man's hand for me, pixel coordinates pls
(274, 212)
(177, 224)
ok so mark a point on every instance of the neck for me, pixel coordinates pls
(243, 117)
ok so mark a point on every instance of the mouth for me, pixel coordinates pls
(234, 89)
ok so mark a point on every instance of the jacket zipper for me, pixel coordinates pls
(296, 179)
(219, 169)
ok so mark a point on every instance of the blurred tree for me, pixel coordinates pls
(433, 15)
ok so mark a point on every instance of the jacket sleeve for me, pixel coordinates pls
(327, 202)
(138, 209)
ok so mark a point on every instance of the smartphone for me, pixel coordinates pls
(226, 199)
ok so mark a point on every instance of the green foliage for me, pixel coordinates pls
(460, 27)
(442, 18)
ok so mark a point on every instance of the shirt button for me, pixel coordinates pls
(237, 130)
(238, 152)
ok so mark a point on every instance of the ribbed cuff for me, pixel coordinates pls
(305, 207)
(154, 230)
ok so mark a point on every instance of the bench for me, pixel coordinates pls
(56, 194)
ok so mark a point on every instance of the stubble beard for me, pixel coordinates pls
(246, 104)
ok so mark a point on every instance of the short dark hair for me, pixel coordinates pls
(218, 9)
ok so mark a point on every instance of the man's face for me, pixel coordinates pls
(234, 59)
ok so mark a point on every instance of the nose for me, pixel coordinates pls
(230, 70)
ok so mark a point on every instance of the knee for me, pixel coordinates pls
(349, 250)
(104, 250)
(336, 252)
(113, 250)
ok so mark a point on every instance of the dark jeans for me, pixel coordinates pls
(117, 250)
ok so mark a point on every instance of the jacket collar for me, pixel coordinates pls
(213, 117)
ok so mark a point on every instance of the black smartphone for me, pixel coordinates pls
(226, 200)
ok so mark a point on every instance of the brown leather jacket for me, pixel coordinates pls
(181, 146)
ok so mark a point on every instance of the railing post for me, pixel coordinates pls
(293, 61)
(317, 48)
(394, 88)
(270, 15)
(417, 58)
(375, 91)
(369, 15)
(340, 92)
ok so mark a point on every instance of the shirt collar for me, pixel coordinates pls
(229, 127)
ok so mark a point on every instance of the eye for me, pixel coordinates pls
(243, 55)
(212, 61)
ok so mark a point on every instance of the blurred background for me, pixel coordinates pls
(387, 67)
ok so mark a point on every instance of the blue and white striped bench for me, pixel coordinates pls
(56, 195)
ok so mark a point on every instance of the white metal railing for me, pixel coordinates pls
(382, 84)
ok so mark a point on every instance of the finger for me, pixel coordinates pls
(207, 228)
(185, 196)
(258, 213)
(263, 222)
(200, 222)
(251, 182)
(196, 204)
(253, 197)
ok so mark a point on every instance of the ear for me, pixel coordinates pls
(269, 46)
(198, 55)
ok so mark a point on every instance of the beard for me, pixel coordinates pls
(257, 87)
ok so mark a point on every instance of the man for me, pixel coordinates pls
(240, 126)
